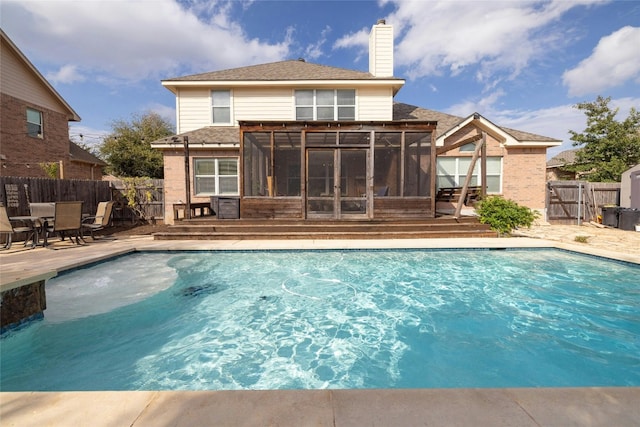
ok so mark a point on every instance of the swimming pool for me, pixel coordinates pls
(333, 319)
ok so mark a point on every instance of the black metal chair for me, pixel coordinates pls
(6, 227)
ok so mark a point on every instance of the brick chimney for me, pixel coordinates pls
(381, 50)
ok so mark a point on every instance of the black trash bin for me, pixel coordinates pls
(226, 207)
(610, 216)
(628, 218)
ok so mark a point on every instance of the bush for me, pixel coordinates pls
(504, 215)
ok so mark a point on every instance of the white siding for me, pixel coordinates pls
(194, 105)
(375, 104)
(19, 81)
(381, 50)
(194, 109)
(263, 104)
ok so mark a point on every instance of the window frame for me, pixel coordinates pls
(316, 105)
(216, 176)
(40, 131)
(228, 107)
(460, 175)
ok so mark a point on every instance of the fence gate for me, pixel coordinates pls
(571, 202)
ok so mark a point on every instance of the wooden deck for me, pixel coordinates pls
(210, 228)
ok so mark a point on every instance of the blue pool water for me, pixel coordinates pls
(333, 319)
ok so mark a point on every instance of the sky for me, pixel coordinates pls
(521, 64)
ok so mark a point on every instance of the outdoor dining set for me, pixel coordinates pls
(64, 219)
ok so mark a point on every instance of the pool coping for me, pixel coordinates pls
(593, 406)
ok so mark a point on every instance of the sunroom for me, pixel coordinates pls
(337, 170)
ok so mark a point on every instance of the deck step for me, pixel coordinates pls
(325, 230)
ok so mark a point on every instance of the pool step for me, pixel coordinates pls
(323, 230)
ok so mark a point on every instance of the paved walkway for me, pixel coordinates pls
(618, 406)
(590, 236)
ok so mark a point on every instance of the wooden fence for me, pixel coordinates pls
(571, 202)
(149, 196)
(16, 193)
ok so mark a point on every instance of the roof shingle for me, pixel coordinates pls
(447, 121)
(282, 70)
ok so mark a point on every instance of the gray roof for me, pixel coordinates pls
(406, 112)
(210, 134)
(563, 158)
(401, 112)
(79, 154)
(447, 121)
(282, 70)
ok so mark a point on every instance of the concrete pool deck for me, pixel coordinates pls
(619, 406)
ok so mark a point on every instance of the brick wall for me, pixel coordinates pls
(524, 176)
(523, 169)
(80, 170)
(23, 153)
(174, 182)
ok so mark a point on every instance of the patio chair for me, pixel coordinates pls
(6, 227)
(67, 220)
(100, 220)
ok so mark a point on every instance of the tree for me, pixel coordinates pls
(127, 149)
(608, 147)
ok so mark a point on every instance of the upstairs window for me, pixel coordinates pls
(221, 107)
(34, 123)
(325, 104)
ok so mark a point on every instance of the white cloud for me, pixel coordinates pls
(614, 61)
(67, 74)
(314, 51)
(358, 40)
(86, 135)
(499, 39)
(167, 113)
(554, 122)
(137, 39)
(482, 105)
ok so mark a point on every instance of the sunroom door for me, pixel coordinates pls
(336, 183)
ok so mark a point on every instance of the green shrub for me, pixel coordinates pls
(504, 215)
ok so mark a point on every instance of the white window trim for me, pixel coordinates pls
(315, 105)
(216, 175)
(40, 134)
(460, 175)
(231, 115)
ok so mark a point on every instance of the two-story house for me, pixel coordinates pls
(293, 139)
(34, 123)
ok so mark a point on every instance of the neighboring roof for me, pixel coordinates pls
(448, 123)
(282, 70)
(73, 116)
(563, 158)
(79, 154)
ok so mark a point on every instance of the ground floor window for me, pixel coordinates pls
(452, 172)
(216, 176)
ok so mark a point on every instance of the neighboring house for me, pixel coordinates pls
(34, 123)
(556, 166)
(292, 139)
